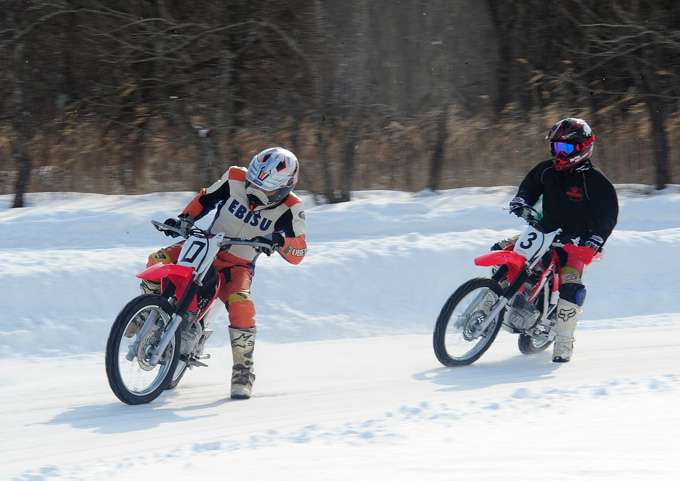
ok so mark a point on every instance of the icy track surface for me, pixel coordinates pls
(347, 386)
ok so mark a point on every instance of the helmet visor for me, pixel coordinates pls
(267, 197)
(562, 148)
(269, 194)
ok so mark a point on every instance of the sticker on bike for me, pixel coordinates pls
(191, 251)
(529, 243)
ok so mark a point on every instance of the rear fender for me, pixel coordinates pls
(583, 253)
(514, 261)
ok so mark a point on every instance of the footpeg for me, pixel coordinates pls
(196, 362)
(193, 362)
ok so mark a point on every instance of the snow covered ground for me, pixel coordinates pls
(348, 386)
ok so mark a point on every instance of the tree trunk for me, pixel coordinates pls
(659, 142)
(21, 126)
(502, 27)
(347, 166)
(317, 65)
(360, 98)
(322, 152)
(23, 162)
(438, 153)
(657, 116)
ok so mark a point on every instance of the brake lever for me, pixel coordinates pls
(160, 226)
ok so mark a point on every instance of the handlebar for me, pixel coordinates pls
(530, 214)
(198, 232)
(533, 217)
(562, 239)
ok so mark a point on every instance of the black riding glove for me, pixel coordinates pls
(595, 242)
(567, 238)
(273, 242)
(183, 222)
(519, 207)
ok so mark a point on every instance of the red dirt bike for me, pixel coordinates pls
(156, 338)
(521, 296)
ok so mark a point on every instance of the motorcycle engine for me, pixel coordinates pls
(521, 314)
(190, 331)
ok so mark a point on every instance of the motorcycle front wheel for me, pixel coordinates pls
(179, 373)
(133, 338)
(458, 339)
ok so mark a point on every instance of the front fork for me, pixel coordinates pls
(150, 321)
(509, 292)
(169, 332)
(175, 321)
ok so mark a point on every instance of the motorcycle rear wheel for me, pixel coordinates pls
(457, 340)
(531, 345)
(136, 381)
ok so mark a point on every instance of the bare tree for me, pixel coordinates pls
(629, 50)
(22, 30)
(192, 82)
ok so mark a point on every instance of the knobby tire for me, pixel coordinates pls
(529, 345)
(447, 336)
(118, 368)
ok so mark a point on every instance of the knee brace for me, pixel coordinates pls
(573, 292)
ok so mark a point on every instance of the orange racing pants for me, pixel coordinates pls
(235, 289)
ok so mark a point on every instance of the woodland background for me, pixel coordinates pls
(137, 96)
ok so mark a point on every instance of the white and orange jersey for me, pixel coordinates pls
(233, 217)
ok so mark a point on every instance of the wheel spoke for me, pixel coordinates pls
(133, 339)
(461, 335)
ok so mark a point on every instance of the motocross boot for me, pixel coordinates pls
(242, 377)
(503, 244)
(150, 287)
(567, 319)
(135, 325)
(147, 287)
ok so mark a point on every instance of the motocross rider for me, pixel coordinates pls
(579, 199)
(257, 203)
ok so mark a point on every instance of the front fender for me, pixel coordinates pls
(514, 261)
(180, 276)
(162, 270)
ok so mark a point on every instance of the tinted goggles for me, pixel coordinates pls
(563, 147)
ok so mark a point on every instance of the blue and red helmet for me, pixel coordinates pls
(571, 144)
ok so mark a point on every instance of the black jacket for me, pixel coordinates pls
(581, 203)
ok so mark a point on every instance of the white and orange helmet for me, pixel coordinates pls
(271, 176)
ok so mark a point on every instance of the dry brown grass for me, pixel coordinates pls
(89, 156)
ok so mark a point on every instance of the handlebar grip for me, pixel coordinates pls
(160, 226)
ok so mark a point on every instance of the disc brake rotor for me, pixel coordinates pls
(145, 349)
(471, 327)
